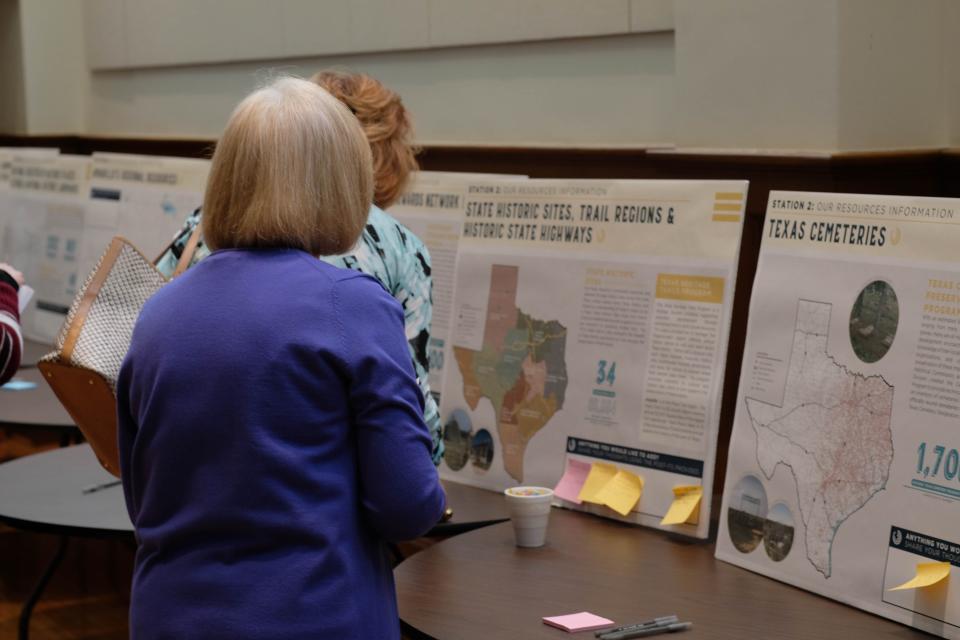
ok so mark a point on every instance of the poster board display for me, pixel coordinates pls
(44, 215)
(432, 207)
(844, 475)
(7, 208)
(590, 326)
(7, 154)
(146, 197)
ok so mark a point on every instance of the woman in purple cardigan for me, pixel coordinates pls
(271, 427)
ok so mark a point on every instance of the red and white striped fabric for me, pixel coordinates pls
(11, 341)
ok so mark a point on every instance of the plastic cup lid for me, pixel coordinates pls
(528, 492)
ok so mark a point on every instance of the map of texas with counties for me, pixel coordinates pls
(832, 431)
(520, 368)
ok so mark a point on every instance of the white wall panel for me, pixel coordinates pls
(105, 28)
(185, 32)
(175, 32)
(383, 26)
(651, 15)
(950, 37)
(54, 66)
(13, 108)
(779, 75)
(757, 74)
(891, 74)
(457, 22)
(587, 92)
(312, 27)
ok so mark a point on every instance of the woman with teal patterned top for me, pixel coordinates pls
(387, 250)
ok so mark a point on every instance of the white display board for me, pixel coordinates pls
(8, 250)
(59, 212)
(147, 198)
(590, 321)
(44, 230)
(432, 207)
(7, 154)
(844, 473)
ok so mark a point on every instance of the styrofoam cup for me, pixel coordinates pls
(530, 513)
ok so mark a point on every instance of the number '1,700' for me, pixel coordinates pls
(940, 460)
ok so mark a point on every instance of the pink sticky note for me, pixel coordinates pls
(582, 621)
(572, 481)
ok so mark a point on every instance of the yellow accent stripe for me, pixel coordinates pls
(726, 206)
(675, 286)
(726, 217)
(728, 195)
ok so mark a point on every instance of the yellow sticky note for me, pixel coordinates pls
(600, 474)
(928, 573)
(686, 505)
(622, 492)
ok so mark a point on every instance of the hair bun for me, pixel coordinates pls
(386, 124)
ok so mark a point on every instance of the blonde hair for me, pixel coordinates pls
(292, 169)
(386, 124)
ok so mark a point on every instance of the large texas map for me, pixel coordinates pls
(832, 431)
(520, 368)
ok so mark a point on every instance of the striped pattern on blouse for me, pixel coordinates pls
(11, 341)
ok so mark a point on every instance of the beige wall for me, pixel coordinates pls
(591, 91)
(891, 60)
(55, 73)
(13, 108)
(757, 74)
(950, 35)
(125, 34)
(773, 75)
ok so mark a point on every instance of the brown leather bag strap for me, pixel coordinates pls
(90, 294)
(187, 256)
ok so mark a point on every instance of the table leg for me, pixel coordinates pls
(24, 631)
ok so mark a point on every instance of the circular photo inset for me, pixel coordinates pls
(456, 440)
(778, 532)
(481, 450)
(747, 513)
(873, 321)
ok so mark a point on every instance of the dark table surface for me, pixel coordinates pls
(480, 585)
(45, 491)
(36, 407)
(62, 491)
(472, 508)
(32, 352)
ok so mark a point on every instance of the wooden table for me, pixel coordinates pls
(480, 585)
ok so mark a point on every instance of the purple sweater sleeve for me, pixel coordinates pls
(400, 491)
(11, 342)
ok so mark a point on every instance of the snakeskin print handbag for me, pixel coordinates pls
(95, 337)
